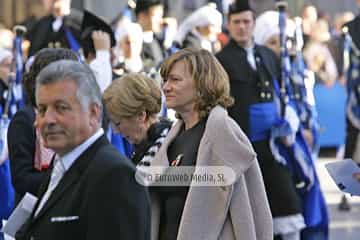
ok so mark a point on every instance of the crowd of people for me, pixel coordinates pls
(94, 105)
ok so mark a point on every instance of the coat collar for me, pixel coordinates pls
(211, 201)
(260, 51)
(219, 124)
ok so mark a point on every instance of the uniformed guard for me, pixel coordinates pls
(53, 30)
(149, 14)
(254, 72)
(298, 156)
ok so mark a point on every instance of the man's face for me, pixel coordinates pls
(156, 14)
(241, 27)
(58, 8)
(152, 19)
(63, 122)
(358, 3)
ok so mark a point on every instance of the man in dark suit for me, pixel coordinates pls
(252, 70)
(149, 15)
(91, 192)
(51, 30)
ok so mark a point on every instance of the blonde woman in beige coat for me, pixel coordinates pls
(197, 88)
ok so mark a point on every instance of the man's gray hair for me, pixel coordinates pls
(88, 90)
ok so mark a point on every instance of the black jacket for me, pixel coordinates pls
(42, 35)
(246, 86)
(100, 195)
(244, 89)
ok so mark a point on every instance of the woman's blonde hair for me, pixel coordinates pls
(131, 95)
(211, 81)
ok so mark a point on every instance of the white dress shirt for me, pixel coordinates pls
(63, 163)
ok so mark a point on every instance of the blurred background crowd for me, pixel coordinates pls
(179, 24)
(118, 37)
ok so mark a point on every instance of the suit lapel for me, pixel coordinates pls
(43, 186)
(70, 177)
(265, 59)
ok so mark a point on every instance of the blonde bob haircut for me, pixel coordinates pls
(131, 95)
(211, 81)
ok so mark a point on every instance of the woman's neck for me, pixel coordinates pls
(190, 119)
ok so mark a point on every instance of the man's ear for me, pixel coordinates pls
(95, 114)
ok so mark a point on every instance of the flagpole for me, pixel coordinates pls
(282, 6)
(16, 66)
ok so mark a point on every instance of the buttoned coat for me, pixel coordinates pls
(238, 211)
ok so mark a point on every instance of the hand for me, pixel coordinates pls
(101, 40)
(357, 176)
(308, 137)
(287, 141)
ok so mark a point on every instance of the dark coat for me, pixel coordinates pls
(246, 89)
(100, 193)
(42, 35)
(354, 28)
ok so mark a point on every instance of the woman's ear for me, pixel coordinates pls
(142, 117)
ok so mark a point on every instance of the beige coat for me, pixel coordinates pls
(239, 211)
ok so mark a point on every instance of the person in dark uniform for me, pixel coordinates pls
(352, 144)
(149, 14)
(253, 70)
(50, 31)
